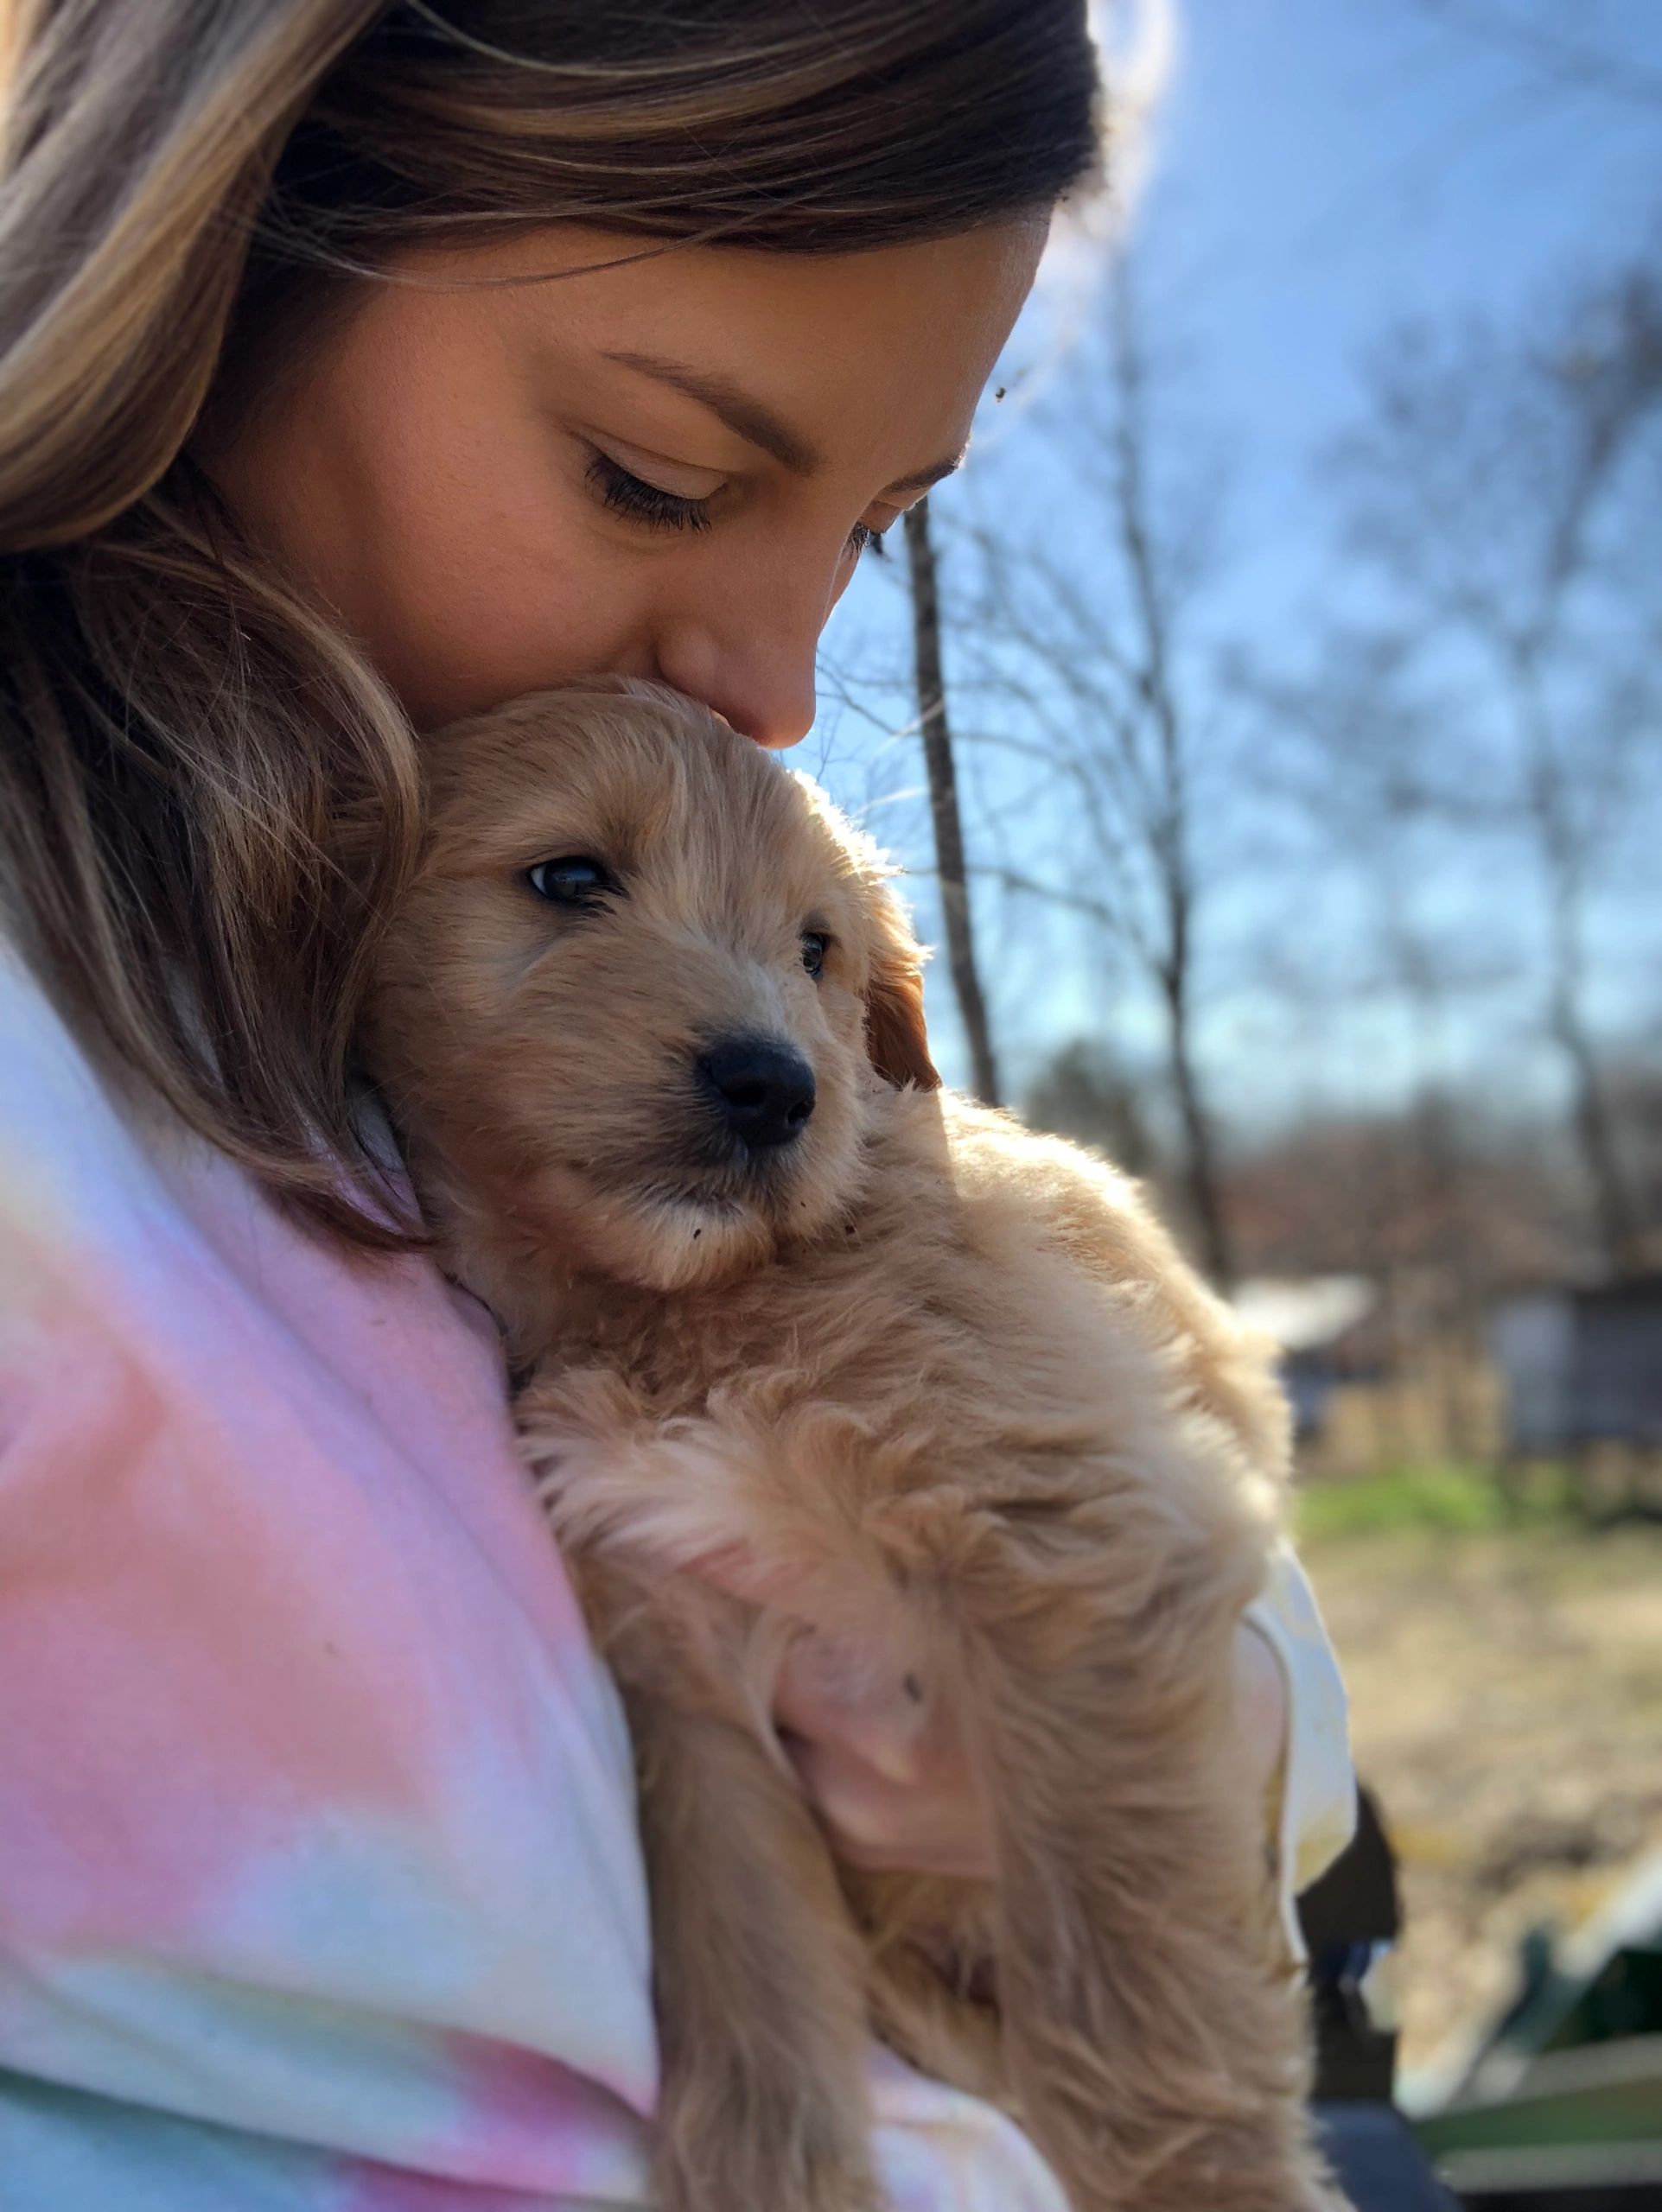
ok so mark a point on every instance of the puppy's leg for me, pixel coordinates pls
(758, 1980)
(1156, 2047)
(929, 1966)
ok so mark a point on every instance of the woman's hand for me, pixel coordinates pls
(890, 1779)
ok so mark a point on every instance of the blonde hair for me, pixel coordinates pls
(206, 795)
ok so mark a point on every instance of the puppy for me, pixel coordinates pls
(649, 1022)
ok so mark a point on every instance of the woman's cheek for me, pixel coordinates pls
(491, 620)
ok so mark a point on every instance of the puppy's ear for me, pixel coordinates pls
(897, 1042)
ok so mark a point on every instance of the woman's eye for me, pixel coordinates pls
(625, 493)
(815, 945)
(577, 881)
(862, 538)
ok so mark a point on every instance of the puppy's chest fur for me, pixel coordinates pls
(970, 1346)
(892, 1286)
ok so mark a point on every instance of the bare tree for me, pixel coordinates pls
(1505, 495)
(1082, 657)
(1168, 820)
(942, 770)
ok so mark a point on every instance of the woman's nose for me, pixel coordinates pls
(756, 674)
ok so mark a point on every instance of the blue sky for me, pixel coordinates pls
(1328, 167)
(1321, 170)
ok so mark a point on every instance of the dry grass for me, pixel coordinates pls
(1507, 1692)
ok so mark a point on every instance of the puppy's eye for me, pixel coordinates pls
(574, 881)
(815, 945)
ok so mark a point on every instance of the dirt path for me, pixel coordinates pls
(1507, 1695)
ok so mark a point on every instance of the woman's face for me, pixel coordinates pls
(662, 469)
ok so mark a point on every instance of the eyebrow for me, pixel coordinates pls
(922, 478)
(758, 425)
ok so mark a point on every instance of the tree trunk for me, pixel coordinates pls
(1563, 864)
(1614, 1213)
(1199, 1155)
(943, 803)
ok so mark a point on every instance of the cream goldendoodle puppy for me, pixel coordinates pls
(649, 1022)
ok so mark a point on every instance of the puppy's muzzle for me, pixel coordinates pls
(763, 1090)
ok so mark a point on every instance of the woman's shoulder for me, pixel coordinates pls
(155, 1304)
(125, 1237)
(97, 1182)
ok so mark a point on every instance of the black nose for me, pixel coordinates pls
(763, 1091)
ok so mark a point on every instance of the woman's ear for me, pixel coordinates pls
(897, 1042)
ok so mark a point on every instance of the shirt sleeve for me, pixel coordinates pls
(1316, 1813)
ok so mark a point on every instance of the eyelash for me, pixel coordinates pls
(625, 493)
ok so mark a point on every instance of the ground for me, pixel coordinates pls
(1507, 1699)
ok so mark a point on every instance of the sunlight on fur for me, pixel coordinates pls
(651, 1025)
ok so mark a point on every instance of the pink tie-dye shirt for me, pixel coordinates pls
(319, 1889)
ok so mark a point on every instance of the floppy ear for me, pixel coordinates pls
(897, 1042)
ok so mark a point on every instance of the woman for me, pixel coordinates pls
(363, 364)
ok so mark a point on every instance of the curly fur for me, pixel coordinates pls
(947, 1383)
